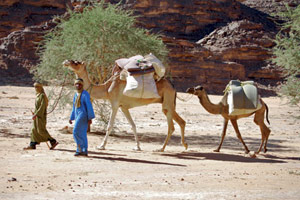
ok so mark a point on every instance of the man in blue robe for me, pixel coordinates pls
(83, 114)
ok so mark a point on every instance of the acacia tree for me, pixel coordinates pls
(98, 36)
(287, 53)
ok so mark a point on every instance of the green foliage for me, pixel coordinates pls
(287, 53)
(99, 35)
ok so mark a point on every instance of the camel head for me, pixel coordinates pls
(76, 66)
(198, 90)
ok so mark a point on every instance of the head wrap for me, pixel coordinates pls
(78, 99)
(78, 80)
(37, 84)
(40, 90)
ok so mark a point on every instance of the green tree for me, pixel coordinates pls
(99, 35)
(287, 53)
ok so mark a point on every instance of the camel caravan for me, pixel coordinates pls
(140, 80)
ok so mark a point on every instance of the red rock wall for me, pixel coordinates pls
(210, 41)
(17, 14)
(22, 23)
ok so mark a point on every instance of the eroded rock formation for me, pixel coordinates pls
(210, 41)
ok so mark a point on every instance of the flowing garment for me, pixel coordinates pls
(82, 115)
(39, 132)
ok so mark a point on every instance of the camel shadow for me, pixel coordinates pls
(281, 158)
(204, 141)
(120, 158)
(220, 157)
(233, 143)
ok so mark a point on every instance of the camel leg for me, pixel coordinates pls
(133, 127)
(171, 128)
(181, 123)
(109, 128)
(265, 131)
(225, 123)
(267, 138)
(238, 134)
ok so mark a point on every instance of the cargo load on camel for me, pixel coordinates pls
(242, 97)
(140, 73)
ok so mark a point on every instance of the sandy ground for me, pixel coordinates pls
(121, 173)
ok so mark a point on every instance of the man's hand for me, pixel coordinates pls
(90, 121)
(33, 117)
(70, 121)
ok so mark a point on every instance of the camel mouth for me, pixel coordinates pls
(190, 90)
(71, 64)
(66, 63)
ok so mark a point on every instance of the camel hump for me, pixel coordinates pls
(242, 97)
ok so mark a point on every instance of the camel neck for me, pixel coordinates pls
(208, 105)
(96, 91)
(86, 81)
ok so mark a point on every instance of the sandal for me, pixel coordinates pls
(29, 148)
(53, 145)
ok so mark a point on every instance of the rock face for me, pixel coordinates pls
(211, 41)
(18, 54)
(22, 24)
(18, 14)
(270, 6)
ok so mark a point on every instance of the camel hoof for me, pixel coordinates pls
(217, 150)
(100, 147)
(247, 151)
(185, 146)
(159, 150)
(253, 155)
(265, 150)
(137, 149)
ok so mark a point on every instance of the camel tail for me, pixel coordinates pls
(175, 98)
(267, 113)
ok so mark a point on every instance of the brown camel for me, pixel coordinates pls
(222, 109)
(112, 90)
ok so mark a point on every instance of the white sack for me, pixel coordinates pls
(141, 86)
(160, 69)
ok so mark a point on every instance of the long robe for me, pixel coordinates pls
(39, 132)
(81, 115)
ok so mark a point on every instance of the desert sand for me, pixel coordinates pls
(119, 172)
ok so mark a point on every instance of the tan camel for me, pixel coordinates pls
(222, 109)
(112, 90)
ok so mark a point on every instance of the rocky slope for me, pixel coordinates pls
(22, 24)
(210, 41)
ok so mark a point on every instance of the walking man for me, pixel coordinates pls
(83, 114)
(39, 132)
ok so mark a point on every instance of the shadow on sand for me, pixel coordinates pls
(205, 141)
(221, 157)
(120, 158)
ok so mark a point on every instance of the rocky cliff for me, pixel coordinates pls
(22, 25)
(210, 41)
